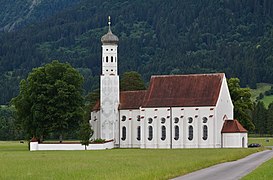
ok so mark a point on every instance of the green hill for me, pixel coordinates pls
(156, 37)
(16, 14)
(261, 89)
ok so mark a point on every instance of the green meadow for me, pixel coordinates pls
(262, 88)
(265, 171)
(263, 141)
(18, 163)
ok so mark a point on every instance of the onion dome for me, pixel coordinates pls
(109, 38)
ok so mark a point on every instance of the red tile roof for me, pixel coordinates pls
(131, 99)
(183, 90)
(233, 126)
(128, 100)
(97, 106)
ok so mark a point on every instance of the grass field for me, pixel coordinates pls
(265, 171)
(267, 100)
(18, 163)
(261, 88)
(261, 141)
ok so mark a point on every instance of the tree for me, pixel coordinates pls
(8, 129)
(242, 103)
(131, 81)
(85, 133)
(269, 124)
(260, 118)
(50, 100)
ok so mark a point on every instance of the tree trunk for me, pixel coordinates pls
(61, 138)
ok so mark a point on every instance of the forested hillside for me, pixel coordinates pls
(16, 14)
(156, 37)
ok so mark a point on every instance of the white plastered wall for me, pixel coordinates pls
(156, 114)
(197, 113)
(109, 107)
(131, 124)
(224, 110)
(95, 126)
(235, 140)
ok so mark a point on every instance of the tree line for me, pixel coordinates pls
(263, 119)
(51, 105)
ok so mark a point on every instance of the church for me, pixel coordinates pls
(177, 111)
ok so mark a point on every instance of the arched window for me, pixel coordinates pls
(123, 137)
(176, 132)
(163, 133)
(138, 133)
(190, 119)
(163, 120)
(205, 119)
(190, 133)
(205, 132)
(150, 120)
(106, 58)
(112, 59)
(150, 128)
(138, 118)
(123, 118)
(176, 120)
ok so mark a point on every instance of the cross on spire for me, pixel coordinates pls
(109, 23)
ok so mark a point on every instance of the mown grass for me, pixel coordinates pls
(267, 100)
(261, 141)
(262, 88)
(18, 163)
(265, 171)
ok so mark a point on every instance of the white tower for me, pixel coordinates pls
(109, 87)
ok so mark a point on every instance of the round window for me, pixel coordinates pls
(176, 120)
(205, 119)
(163, 120)
(150, 120)
(123, 118)
(190, 119)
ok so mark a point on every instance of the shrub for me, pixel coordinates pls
(99, 140)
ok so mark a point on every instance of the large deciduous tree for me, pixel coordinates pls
(50, 100)
(131, 81)
(242, 103)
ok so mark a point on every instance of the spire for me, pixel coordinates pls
(109, 38)
(109, 23)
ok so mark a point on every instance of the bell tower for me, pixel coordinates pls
(109, 87)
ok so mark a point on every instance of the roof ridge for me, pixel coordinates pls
(177, 75)
(133, 91)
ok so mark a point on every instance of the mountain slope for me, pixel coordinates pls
(156, 37)
(16, 14)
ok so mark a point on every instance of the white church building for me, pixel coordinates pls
(177, 111)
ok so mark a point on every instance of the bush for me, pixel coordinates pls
(99, 140)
